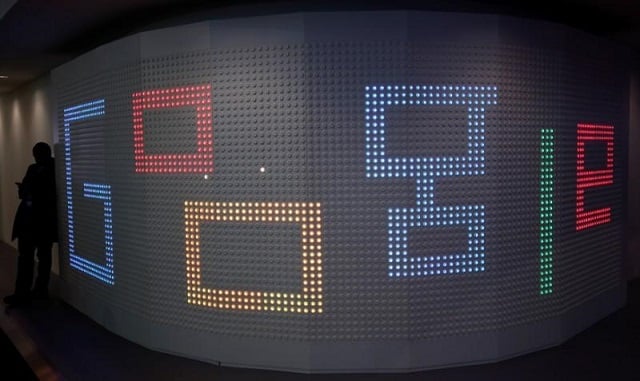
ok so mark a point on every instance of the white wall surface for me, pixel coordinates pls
(309, 135)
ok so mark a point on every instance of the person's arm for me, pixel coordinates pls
(19, 185)
(26, 186)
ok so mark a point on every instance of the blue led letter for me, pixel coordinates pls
(425, 169)
(101, 192)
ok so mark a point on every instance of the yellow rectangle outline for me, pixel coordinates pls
(307, 215)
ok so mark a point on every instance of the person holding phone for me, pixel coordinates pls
(35, 227)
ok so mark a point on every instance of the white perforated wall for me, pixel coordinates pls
(345, 191)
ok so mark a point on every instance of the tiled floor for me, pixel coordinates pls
(58, 342)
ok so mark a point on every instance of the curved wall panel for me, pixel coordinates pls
(383, 191)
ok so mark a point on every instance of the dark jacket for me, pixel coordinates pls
(37, 216)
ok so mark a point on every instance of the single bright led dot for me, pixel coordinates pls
(262, 169)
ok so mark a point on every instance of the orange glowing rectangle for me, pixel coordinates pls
(307, 215)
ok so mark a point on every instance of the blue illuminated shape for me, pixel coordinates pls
(101, 192)
(425, 169)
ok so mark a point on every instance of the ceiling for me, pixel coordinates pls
(38, 35)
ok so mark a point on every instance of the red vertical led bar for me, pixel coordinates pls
(196, 97)
(589, 178)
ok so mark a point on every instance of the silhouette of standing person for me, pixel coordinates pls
(35, 227)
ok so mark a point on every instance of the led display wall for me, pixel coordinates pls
(376, 196)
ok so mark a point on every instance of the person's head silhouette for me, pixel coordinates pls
(41, 152)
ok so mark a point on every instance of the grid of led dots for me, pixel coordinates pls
(197, 97)
(307, 215)
(546, 210)
(102, 192)
(589, 178)
(425, 169)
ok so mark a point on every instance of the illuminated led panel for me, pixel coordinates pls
(546, 210)
(102, 192)
(196, 97)
(425, 169)
(307, 215)
(589, 178)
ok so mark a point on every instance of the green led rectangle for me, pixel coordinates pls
(546, 211)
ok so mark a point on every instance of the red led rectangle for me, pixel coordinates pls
(593, 177)
(196, 97)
